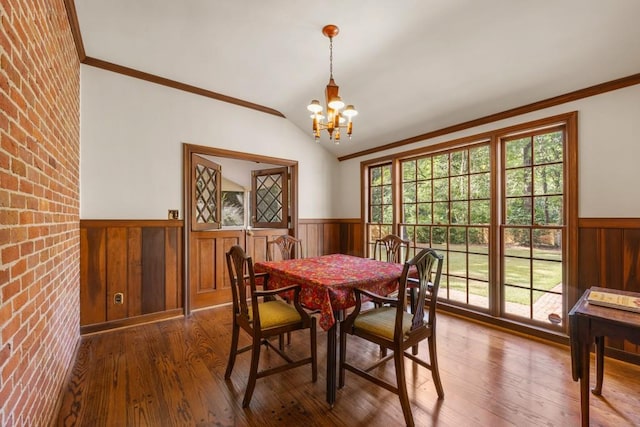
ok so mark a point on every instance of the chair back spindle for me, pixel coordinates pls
(287, 246)
(391, 248)
(427, 289)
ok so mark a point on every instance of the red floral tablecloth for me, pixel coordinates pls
(327, 281)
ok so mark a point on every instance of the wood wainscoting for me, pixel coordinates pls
(609, 257)
(329, 236)
(208, 276)
(143, 261)
(138, 261)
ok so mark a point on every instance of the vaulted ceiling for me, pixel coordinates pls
(409, 66)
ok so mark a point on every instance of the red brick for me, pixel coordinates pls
(10, 254)
(18, 201)
(4, 278)
(4, 353)
(9, 182)
(39, 147)
(9, 329)
(19, 268)
(25, 249)
(18, 99)
(8, 217)
(5, 199)
(4, 159)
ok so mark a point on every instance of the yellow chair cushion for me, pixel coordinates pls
(276, 313)
(381, 322)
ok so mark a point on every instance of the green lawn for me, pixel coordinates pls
(547, 272)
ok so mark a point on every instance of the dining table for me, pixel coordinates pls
(327, 284)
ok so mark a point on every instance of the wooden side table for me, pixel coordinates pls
(589, 323)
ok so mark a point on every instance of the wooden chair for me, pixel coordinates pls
(390, 249)
(392, 327)
(263, 320)
(288, 247)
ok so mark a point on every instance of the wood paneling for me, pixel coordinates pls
(153, 269)
(208, 278)
(93, 276)
(609, 257)
(134, 267)
(173, 268)
(116, 272)
(140, 259)
(329, 236)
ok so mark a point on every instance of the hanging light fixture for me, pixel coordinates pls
(335, 120)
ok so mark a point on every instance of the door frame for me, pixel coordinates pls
(187, 151)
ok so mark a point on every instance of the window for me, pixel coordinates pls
(206, 190)
(446, 205)
(496, 207)
(532, 226)
(270, 197)
(380, 203)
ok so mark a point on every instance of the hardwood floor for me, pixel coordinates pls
(171, 373)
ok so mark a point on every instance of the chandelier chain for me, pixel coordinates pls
(331, 57)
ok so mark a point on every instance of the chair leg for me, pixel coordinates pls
(343, 357)
(253, 372)
(435, 373)
(314, 351)
(398, 358)
(232, 351)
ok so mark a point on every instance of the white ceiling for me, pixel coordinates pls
(409, 66)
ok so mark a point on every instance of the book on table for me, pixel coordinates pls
(609, 299)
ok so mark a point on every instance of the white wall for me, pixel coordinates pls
(608, 155)
(131, 146)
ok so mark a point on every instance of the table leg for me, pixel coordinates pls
(585, 349)
(597, 390)
(331, 363)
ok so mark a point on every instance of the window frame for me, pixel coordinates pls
(569, 122)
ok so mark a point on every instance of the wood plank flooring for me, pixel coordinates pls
(171, 373)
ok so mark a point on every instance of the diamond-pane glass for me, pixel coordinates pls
(269, 198)
(206, 186)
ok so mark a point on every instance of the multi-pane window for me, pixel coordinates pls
(380, 213)
(532, 226)
(446, 206)
(497, 210)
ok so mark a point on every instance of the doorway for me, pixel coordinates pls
(208, 233)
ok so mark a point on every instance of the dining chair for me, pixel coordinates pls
(263, 319)
(287, 246)
(392, 327)
(390, 248)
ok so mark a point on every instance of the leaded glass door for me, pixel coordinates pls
(270, 190)
(206, 190)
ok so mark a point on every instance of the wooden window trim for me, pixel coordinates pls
(570, 122)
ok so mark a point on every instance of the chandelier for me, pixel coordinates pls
(335, 120)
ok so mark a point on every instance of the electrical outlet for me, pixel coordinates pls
(174, 213)
(118, 298)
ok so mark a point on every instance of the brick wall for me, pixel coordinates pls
(39, 208)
